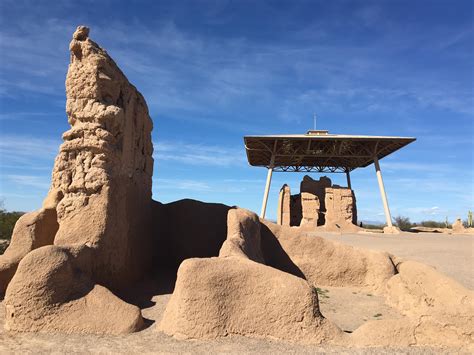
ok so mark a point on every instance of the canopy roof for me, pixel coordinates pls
(319, 151)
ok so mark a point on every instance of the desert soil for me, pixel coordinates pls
(451, 254)
(347, 307)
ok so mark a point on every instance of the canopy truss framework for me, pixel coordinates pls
(321, 152)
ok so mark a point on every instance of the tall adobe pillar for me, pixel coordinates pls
(283, 210)
(103, 172)
(317, 188)
(341, 207)
(101, 198)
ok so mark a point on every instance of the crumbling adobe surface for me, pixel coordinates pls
(310, 207)
(231, 294)
(439, 311)
(52, 292)
(32, 230)
(317, 188)
(319, 203)
(104, 167)
(324, 262)
(101, 195)
(458, 227)
(284, 206)
(236, 293)
(341, 208)
(434, 302)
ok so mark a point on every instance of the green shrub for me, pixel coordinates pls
(432, 224)
(403, 223)
(372, 226)
(7, 222)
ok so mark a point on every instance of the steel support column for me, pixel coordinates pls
(388, 217)
(348, 176)
(267, 187)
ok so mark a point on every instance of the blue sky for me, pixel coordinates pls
(214, 71)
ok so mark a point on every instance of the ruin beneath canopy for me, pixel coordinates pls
(319, 151)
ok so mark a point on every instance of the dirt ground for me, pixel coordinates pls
(451, 254)
(150, 341)
(350, 307)
(347, 307)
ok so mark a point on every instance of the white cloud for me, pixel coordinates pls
(29, 180)
(180, 184)
(20, 151)
(433, 211)
(28, 146)
(199, 154)
(398, 166)
(22, 116)
(423, 185)
(426, 211)
(207, 186)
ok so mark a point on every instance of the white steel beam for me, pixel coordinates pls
(267, 187)
(388, 217)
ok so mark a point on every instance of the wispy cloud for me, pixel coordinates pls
(191, 185)
(415, 167)
(433, 211)
(22, 116)
(180, 184)
(38, 69)
(28, 180)
(33, 152)
(199, 154)
(257, 182)
(438, 185)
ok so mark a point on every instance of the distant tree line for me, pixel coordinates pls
(7, 222)
(405, 224)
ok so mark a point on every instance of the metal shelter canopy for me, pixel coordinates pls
(319, 151)
(322, 152)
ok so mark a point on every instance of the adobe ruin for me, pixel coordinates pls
(95, 224)
(321, 152)
(319, 203)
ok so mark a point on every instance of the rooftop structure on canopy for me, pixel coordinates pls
(319, 151)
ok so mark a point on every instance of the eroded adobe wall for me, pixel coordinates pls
(236, 293)
(101, 197)
(186, 229)
(104, 168)
(340, 206)
(284, 206)
(317, 188)
(319, 203)
(310, 207)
